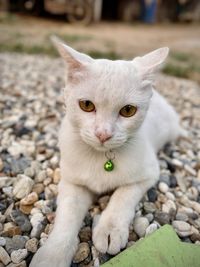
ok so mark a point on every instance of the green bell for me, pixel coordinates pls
(109, 166)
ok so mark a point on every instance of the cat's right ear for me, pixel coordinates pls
(76, 62)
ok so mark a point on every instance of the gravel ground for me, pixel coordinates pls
(30, 113)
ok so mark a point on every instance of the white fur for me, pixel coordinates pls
(110, 85)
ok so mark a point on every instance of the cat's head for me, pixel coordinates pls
(107, 101)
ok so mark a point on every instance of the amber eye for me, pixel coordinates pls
(128, 111)
(86, 105)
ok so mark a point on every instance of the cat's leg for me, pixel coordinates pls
(112, 230)
(73, 203)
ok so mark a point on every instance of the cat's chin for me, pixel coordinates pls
(104, 148)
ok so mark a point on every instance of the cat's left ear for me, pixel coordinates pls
(150, 62)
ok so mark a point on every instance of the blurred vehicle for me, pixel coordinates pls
(76, 11)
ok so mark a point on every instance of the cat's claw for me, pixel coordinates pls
(110, 237)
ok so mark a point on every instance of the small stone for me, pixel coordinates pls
(165, 179)
(140, 225)
(152, 194)
(47, 181)
(56, 176)
(190, 170)
(182, 217)
(177, 163)
(151, 228)
(163, 187)
(2, 241)
(26, 209)
(170, 196)
(162, 217)
(130, 244)
(37, 222)
(183, 229)
(38, 188)
(82, 252)
(169, 206)
(54, 161)
(132, 236)
(6, 181)
(149, 217)
(195, 206)
(19, 255)
(42, 175)
(21, 220)
(195, 237)
(51, 217)
(21, 264)
(103, 202)
(4, 257)
(23, 186)
(17, 242)
(1, 165)
(10, 229)
(29, 199)
(173, 181)
(85, 234)
(8, 191)
(32, 245)
(149, 207)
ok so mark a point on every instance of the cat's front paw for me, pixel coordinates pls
(110, 236)
(49, 256)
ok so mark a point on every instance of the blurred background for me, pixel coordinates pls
(106, 28)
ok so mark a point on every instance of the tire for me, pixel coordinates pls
(81, 12)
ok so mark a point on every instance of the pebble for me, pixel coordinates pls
(82, 252)
(1, 165)
(152, 194)
(173, 181)
(85, 234)
(17, 242)
(149, 217)
(177, 163)
(140, 225)
(37, 222)
(2, 241)
(18, 255)
(103, 202)
(32, 245)
(163, 187)
(190, 170)
(29, 199)
(149, 207)
(26, 209)
(151, 228)
(4, 257)
(182, 228)
(21, 264)
(165, 178)
(162, 217)
(170, 196)
(38, 188)
(21, 220)
(169, 206)
(6, 181)
(182, 217)
(8, 191)
(23, 186)
(56, 176)
(10, 229)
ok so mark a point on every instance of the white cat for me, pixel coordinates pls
(113, 116)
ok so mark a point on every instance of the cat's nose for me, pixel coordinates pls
(103, 136)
